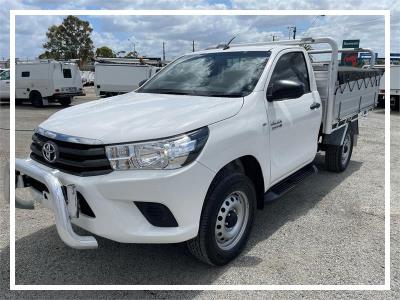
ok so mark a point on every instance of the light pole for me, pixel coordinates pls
(163, 50)
(134, 45)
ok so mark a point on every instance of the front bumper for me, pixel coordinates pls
(56, 200)
(112, 196)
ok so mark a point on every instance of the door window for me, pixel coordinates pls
(25, 74)
(291, 66)
(67, 73)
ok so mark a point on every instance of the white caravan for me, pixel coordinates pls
(44, 81)
(5, 84)
(394, 87)
(192, 153)
(114, 76)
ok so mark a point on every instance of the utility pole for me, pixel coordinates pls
(163, 50)
(193, 46)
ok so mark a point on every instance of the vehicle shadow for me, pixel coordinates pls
(381, 111)
(29, 106)
(41, 258)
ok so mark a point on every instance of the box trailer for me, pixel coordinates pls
(394, 88)
(45, 81)
(114, 76)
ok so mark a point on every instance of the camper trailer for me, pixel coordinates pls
(45, 81)
(114, 76)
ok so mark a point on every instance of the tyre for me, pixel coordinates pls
(65, 101)
(36, 99)
(226, 220)
(337, 158)
(396, 106)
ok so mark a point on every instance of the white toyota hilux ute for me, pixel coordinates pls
(196, 149)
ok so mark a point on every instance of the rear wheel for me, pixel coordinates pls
(337, 158)
(65, 101)
(36, 99)
(226, 220)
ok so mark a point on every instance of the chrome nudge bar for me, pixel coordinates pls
(62, 206)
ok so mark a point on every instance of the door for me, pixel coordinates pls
(295, 118)
(5, 85)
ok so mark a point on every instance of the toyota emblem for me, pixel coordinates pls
(50, 152)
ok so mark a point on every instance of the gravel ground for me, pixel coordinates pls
(329, 230)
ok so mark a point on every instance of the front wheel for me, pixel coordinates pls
(337, 158)
(226, 220)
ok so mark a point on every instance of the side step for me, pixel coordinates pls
(289, 183)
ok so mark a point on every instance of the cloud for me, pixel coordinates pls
(149, 32)
(177, 32)
(31, 34)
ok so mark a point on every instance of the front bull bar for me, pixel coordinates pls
(59, 202)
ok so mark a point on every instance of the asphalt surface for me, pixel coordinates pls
(328, 230)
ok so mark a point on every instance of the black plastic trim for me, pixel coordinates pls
(157, 214)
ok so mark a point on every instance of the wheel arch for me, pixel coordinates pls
(33, 92)
(250, 166)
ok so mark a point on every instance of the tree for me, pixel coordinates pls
(104, 52)
(70, 40)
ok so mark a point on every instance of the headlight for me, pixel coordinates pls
(170, 153)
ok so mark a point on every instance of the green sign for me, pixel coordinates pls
(351, 44)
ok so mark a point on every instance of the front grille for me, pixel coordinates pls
(76, 159)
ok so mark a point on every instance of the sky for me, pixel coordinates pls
(148, 33)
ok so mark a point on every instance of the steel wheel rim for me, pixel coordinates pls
(346, 149)
(232, 220)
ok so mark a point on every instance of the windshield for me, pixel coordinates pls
(223, 74)
(4, 75)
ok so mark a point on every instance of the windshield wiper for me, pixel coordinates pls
(192, 92)
(169, 91)
(233, 95)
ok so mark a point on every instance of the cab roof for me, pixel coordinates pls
(235, 48)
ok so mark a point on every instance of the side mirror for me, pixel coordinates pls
(142, 82)
(284, 89)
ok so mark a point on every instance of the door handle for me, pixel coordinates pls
(315, 105)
